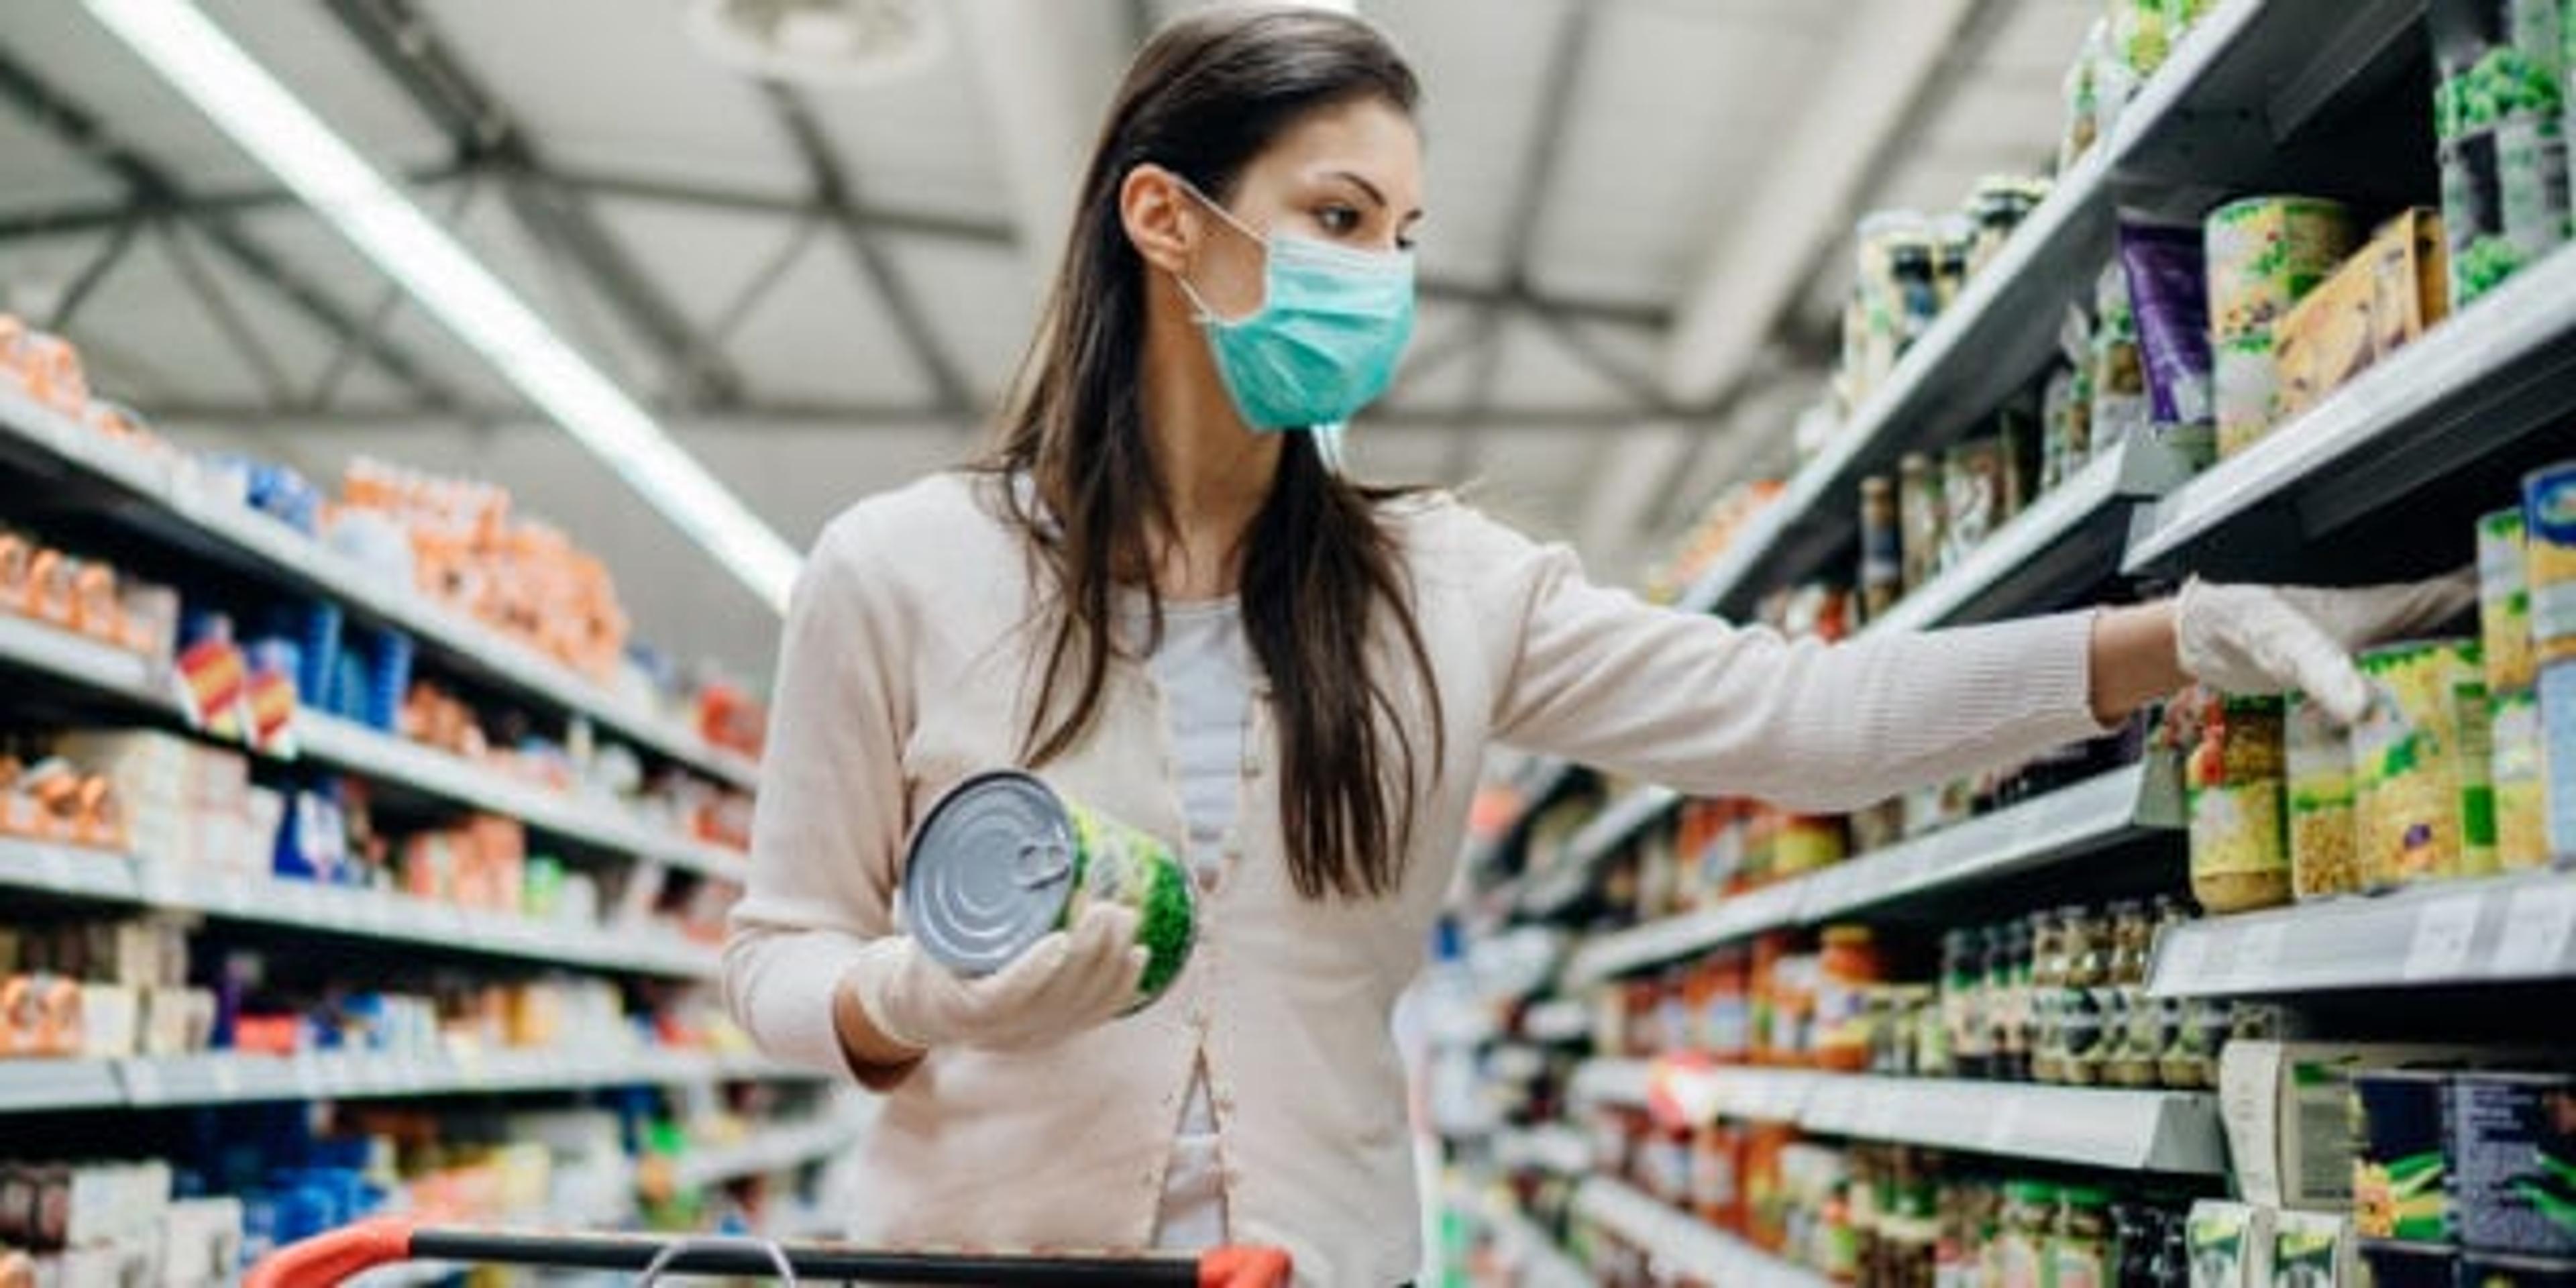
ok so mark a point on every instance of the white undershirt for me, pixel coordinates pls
(1203, 666)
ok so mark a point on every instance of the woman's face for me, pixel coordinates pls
(1347, 175)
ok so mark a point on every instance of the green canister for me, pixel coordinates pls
(1005, 860)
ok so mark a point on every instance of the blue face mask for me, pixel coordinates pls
(1332, 324)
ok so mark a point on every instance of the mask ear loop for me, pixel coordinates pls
(1201, 312)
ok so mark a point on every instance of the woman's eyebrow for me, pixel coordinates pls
(1374, 192)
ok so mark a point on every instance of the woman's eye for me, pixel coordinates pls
(1340, 221)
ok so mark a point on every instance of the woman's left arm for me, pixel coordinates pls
(1712, 708)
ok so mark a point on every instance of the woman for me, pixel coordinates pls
(1194, 624)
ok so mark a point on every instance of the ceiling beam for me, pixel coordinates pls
(409, 49)
(79, 131)
(1761, 257)
(837, 195)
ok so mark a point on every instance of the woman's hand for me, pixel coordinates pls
(2271, 639)
(1065, 983)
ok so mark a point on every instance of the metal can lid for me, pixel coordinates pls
(989, 872)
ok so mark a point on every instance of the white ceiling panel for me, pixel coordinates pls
(45, 175)
(978, 300)
(823, 336)
(308, 48)
(657, 107)
(1536, 370)
(1482, 90)
(91, 69)
(1438, 373)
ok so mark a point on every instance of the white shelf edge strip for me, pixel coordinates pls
(378, 754)
(2528, 313)
(1684, 1243)
(774, 1149)
(2488, 930)
(2070, 818)
(229, 1078)
(367, 914)
(1546, 1265)
(300, 557)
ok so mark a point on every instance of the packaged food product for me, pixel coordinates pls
(2423, 807)
(1882, 551)
(2549, 556)
(1920, 515)
(2021, 1245)
(2139, 36)
(2504, 602)
(2082, 91)
(1003, 860)
(2246, 390)
(1963, 1021)
(2120, 403)
(2383, 298)
(2066, 430)
(1954, 239)
(2558, 753)
(2499, 118)
(1974, 493)
(2501, 1270)
(1996, 207)
(2311, 1250)
(2324, 859)
(2266, 253)
(1717, 1163)
(2079, 1245)
(2512, 1139)
(2230, 1244)
(2239, 852)
(2169, 288)
(2400, 1167)
(2521, 782)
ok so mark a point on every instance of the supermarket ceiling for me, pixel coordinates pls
(1631, 273)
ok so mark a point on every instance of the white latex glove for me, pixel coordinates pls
(1065, 983)
(2271, 639)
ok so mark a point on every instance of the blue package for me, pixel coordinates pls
(389, 678)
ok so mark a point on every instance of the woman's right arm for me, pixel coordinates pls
(828, 832)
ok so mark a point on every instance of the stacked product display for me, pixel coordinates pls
(2093, 1019)
(359, 814)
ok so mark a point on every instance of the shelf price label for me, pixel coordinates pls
(2537, 922)
(2444, 929)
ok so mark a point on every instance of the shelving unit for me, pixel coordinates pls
(217, 1078)
(1541, 1263)
(2514, 929)
(1685, 1244)
(2092, 815)
(2154, 1131)
(780, 1148)
(171, 502)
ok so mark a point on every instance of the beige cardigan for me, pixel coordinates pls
(903, 669)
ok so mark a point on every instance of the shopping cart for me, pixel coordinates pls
(331, 1258)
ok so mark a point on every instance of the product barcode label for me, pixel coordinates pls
(2444, 929)
(2536, 926)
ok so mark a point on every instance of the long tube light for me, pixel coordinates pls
(269, 122)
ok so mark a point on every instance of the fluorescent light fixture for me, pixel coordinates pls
(442, 276)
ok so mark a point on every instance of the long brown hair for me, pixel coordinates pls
(1205, 96)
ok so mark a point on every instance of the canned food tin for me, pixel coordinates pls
(2239, 853)
(2246, 386)
(2424, 811)
(2521, 782)
(1004, 860)
(2400, 1161)
(2504, 602)
(2265, 253)
(2549, 555)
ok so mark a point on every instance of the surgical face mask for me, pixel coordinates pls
(1332, 324)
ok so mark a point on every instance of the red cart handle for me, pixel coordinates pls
(330, 1258)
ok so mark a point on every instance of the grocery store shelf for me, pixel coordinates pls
(2091, 815)
(354, 747)
(1536, 1260)
(1555, 1149)
(1553, 890)
(31, 1086)
(1731, 918)
(230, 1078)
(2494, 930)
(1683, 1244)
(2157, 1131)
(78, 873)
(776, 1148)
(2088, 816)
(181, 510)
(50, 650)
(2067, 541)
(2499, 375)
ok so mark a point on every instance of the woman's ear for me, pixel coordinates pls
(1158, 216)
